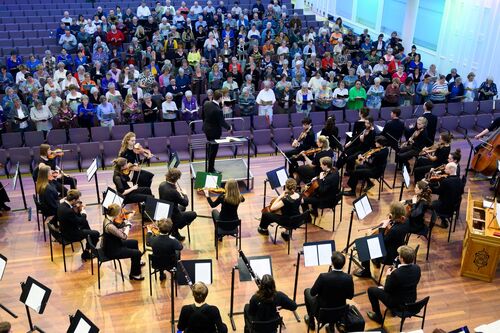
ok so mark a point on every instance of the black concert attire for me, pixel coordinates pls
(145, 177)
(450, 192)
(166, 250)
(168, 192)
(201, 319)
(495, 124)
(330, 290)
(213, 122)
(432, 122)
(325, 196)
(4, 197)
(305, 173)
(400, 288)
(393, 131)
(416, 218)
(116, 245)
(264, 310)
(66, 180)
(374, 167)
(121, 183)
(412, 150)
(350, 154)
(333, 137)
(290, 208)
(306, 143)
(150, 112)
(228, 211)
(49, 201)
(423, 164)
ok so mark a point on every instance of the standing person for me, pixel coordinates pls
(357, 96)
(42, 117)
(432, 121)
(85, 113)
(266, 99)
(330, 290)
(106, 113)
(213, 122)
(131, 151)
(169, 190)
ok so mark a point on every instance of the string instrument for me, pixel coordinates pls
(216, 190)
(485, 159)
(249, 267)
(130, 167)
(431, 150)
(308, 152)
(436, 175)
(267, 209)
(311, 188)
(124, 215)
(303, 135)
(376, 230)
(185, 272)
(367, 155)
(78, 207)
(56, 153)
(140, 150)
(364, 132)
(412, 138)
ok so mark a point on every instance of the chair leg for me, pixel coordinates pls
(99, 274)
(334, 211)
(38, 220)
(72, 248)
(289, 239)
(450, 222)
(239, 236)
(275, 234)
(44, 232)
(401, 325)
(150, 283)
(64, 256)
(114, 263)
(189, 234)
(428, 243)
(216, 241)
(381, 273)
(306, 232)
(121, 270)
(92, 264)
(51, 252)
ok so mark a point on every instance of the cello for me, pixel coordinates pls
(485, 159)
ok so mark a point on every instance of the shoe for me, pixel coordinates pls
(136, 277)
(219, 238)
(263, 231)
(348, 193)
(86, 255)
(178, 236)
(310, 323)
(314, 212)
(444, 224)
(143, 264)
(4, 207)
(163, 276)
(369, 186)
(362, 273)
(376, 317)
(286, 236)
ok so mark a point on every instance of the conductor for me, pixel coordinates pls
(213, 122)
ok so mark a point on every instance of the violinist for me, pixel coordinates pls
(305, 141)
(49, 157)
(288, 202)
(416, 140)
(73, 222)
(121, 178)
(417, 206)
(373, 166)
(328, 186)
(331, 131)
(432, 157)
(450, 192)
(116, 244)
(46, 191)
(393, 129)
(360, 144)
(169, 190)
(137, 155)
(312, 167)
(394, 230)
(432, 121)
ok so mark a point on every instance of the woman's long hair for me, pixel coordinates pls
(42, 180)
(125, 140)
(119, 163)
(267, 289)
(232, 196)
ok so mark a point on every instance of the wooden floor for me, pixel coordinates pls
(127, 307)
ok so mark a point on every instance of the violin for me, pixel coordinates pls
(217, 190)
(367, 155)
(436, 175)
(130, 167)
(140, 150)
(412, 138)
(123, 216)
(386, 230)
(56, 153)
(78, 207)
(308, 152)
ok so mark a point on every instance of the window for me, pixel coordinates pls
(344, 8)
(393, 16)
(366, 13)
(428, 25)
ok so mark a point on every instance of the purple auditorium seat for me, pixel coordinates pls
(143, 130)
(450, 124)
(380, 123)
(4, 35)
(100, 134)
(245, 125)
(262, 141)
(198, 127)
(375, 113)
(21, 155)
(385, 113)
(467, 124)
(296, 131)
(57, 137)
(3, 160)
(281, 121)
(343, 129)
(486, 106)
(260, 122)
(296, 119)
(339, 116)
(78, 135)
(410, 122)
(282, 137)
(5, 43)
(89, 151)
(163, 129)
(454, 109)
(71, 158)
(483, 120)
(439, 110)
(197, 147)
(351, 116)
(417, 111)
(159, 147)
(180, 144)
(33, 138)
(110, 151)
(470, 107)
(317, 118)
(406, 111)
(181, 128)
(119, 131)
(12, 140)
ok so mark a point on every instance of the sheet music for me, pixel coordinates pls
(161, 211)
(211, 181)
(108, 199)
(493, 327)
(82, 327)
(325, 254)
(3, 263)
(363, 207)
(91, 170)
(310, 256)
(14, 181)
(118, 200)
(225, 140)
(282, 176)
(203, 272)
(406, 176)
(349, 134)
(374, 248)
(261, 267)
(173, 162)
(35, 297)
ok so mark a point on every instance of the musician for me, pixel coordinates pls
(131, 151)
(5, 327)
(328, 187)
(311, 167)
(394, 129)
(288, 202)
(169, 190)
(495, 124)
(47, 192)
(4, 197)
(394, 230)
(417, 139)
(200, 317)
(359, 125)
(121, 178)
(213, 122)
(455, 157)
(362, 143)
(49, 157)
(417, 206)
(73, 222)
(331, 131)
(330, 290)
(450, 192)
(165, 247)
(304, 142)
(116, 244)
(400, 285)
(265, 302)
(431, 121)
(432, 157)
(229, 201)
(372, 166)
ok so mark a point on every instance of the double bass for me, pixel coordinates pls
(486, 157)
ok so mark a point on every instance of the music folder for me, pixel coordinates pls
(207, 180)
(370, 247)
(16, 176)
(79, 323)
(35, 295)
(111, 197)
(260, 265)
(173, 160)
(92, 170)
(362, 206)
(406, 177)
(158, 209)
(318, 253)
(277, 177)
(199, 270)
(3, 264)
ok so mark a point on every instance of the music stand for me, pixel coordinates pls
(18, 176)
(363, 208)
(287, 160)
(79, 323)
(276, 178)
(469, 159)
(3, 265)
(368, 248)
(173, 160)
(92, 173)
(111, 197)
(405, 182)
(35, 296)
(155, 210)
(204, 180)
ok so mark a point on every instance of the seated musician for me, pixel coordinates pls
(359, 125)
(432, 157)
(4, 197)
(371, 166)
(325, 196)
(311, 168)
(121, 177)
(330, 290)
(394, 230)
(134, 154)
(73, 222)
(288, 203)
(165, 247)
(200, 317)
(400, 284)
(495, 124)
(304, 142)
(170, 190)
(116, 244)
(450, 192)
(416, 140)
(265, 302)
(394, 129)
(47, 192)
(49, 157)
(360, 144)
(417, 206)
(331, 131)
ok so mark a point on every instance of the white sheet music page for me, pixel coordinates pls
(310, 256)
(82, 327)
(325, 254)
(161, 211)
(92, 169)
(374, 248)
(360, 209)
(406, 176)
(282, 177)
(261, 266)
(211, 181)
(3, 263)
(202, 272)
(118, 200)
(35, 297)
(108, 199)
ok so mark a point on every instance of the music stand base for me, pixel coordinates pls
(7, 310)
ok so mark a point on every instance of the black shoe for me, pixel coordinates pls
(376, 317)
(178, 236)
(309, 322)
(4, 207)
(163, 276)
(348, 193)
(286, 236)
(369, 186)
(363, 273)
(143, 264)
(86, 255)
(263, 231)
(444, 224)
(136, 278)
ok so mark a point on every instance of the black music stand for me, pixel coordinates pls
(92, 173)
(173, 160)
(368, 248)
(34, 295)
(204, 180)
(111, 197)
(363, 208)
(79, 323)
(18, 176)
(155, 210)
(3, 265)
(405, 182)
(276, 178)
(469, 159)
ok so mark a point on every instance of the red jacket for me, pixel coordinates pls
(115, 39)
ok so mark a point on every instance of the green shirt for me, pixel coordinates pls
(354, 103)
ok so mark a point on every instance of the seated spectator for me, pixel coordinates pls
(68, 41)
(189, 108)
(487, 89)
(169, 108)
(457, 91)
(41, 116)
(106, 113)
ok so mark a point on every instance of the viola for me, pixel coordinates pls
(308, 152)
(386, 230)
(367, 155)
(140, 150)
(124, 215)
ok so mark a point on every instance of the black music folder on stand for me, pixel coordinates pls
(79, 323)
(34, 296)
(318, 253)
(370, 247)
(111, 197)
(157, 209)
(199, 270)
(173, 160)
(3, 265)
(261, 265)
(277, 177)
